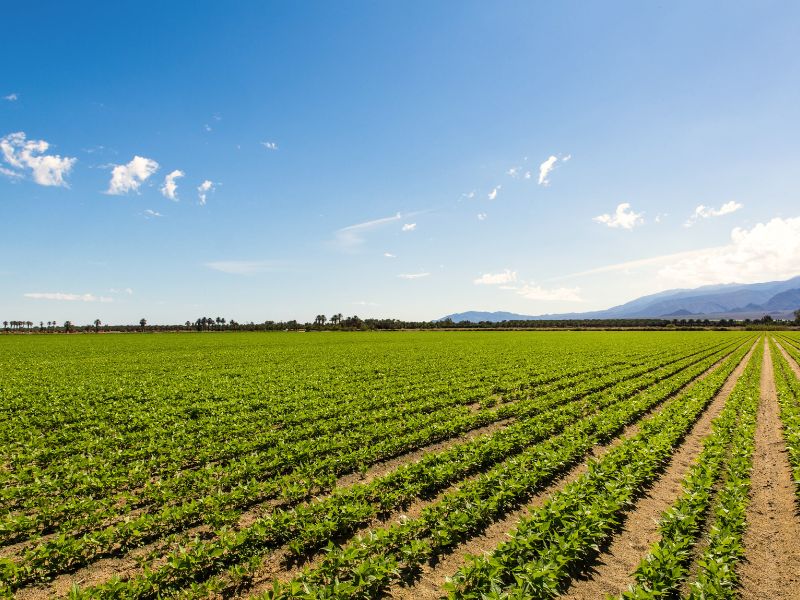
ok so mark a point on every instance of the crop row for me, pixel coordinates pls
(282, 449)
(67, 552)
(723, 463)
(788, 388)
(309, 527)
(567, 530)
(366, 567)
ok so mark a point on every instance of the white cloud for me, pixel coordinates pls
(389, 255)
(11, 97)
(767, 251)
(482, 216)
(22, 154)
(353, 235)
(468, 195)
(127, 291)
(128, 178)
(244, 267)
(413, 275)
(513, 172)
(270, 145)
(562, 294)
(707, 212)
(527, 175)
(566, 158)
(203, 190)
(207, 128)
(505, 277)
(493, 194)
(545, 168)
(149, 213)
(623, 217)
(170, 188)
(409, 227)
(67, 297)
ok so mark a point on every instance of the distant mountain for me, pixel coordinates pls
(736, 300)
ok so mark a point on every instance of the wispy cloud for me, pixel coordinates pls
(11, 97)
(170, 188)
(513, 172)
(493, 194)
(203, 190)
(353, 235)
(505, 277)
(409, 227)
(245, 267)
(29, 155)
(13, 175)
(149, 214)
(630, 265)
(270, 145)
(545, 169)
(623, 217)
(389, 255)
(707, 212)
(127, 291)
(482, 216)
(61, 296)
(128, 178)
(413, 275)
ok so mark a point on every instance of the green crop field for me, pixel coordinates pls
(363, 465)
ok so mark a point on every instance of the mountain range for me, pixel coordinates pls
(779, 299)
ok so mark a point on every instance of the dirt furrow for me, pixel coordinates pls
(771, 569)
(429, 585)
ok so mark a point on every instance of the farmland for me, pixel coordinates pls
(402, 465)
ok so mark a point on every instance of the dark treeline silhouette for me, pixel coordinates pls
(339, 322)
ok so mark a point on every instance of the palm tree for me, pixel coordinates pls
(143, 323)
(96, 325)
(67, 326)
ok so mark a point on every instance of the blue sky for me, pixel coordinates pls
(391, 159)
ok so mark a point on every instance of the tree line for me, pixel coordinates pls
(338, 322)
